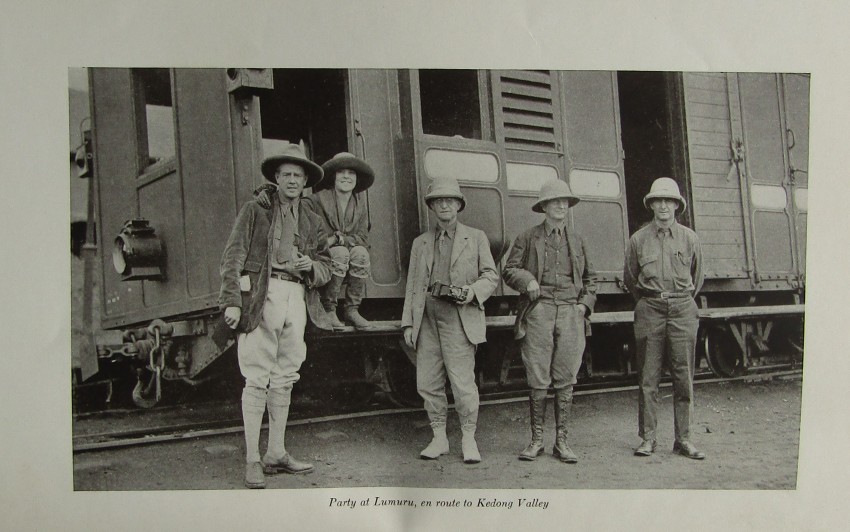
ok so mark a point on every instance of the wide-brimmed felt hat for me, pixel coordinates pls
(554, 189)
(343, 160)
(445, 187)
(664, 187)
(292, 153)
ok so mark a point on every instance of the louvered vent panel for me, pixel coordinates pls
(528, 119)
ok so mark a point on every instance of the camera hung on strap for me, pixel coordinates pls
(455, 294)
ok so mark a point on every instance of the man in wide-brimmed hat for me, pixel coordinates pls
(273, 256)
(451, 275)
(550, 267)
(340, 200)
(663, 272)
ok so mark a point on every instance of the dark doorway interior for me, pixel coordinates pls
(653, 137)
(307, 105)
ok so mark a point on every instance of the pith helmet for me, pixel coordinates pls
(554, 189)
(292, 153)
(664, 187)
(340, 161)
(445, 187)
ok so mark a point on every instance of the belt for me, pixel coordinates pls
(664, 295)
(283, 276)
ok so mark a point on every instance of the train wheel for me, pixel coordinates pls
(722, 352)
(400, 376)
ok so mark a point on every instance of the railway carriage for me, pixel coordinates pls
(177, 151)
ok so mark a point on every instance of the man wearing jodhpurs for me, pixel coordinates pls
(550, 268)
(451, 275)
(271, 258)
(663, 272)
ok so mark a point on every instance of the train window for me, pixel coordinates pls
(528, 177)
(451, 103)
(464, 165)
(595, 183)
(768, 197)
(155, 115)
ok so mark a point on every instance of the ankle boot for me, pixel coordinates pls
(439, 443)
(537, 411)
(330, 295)
(354, 293)
(333, 318)
(469, 445)
(562, 451)
(352, 315)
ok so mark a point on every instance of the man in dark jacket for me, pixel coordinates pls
(549, 266)
(271, 258)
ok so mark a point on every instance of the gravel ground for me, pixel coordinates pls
(749, 431)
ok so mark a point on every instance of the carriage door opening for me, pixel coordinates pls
(652, 136)
(306, 105)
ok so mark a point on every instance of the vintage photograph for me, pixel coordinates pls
(299, 278)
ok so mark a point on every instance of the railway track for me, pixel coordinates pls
(171, 432)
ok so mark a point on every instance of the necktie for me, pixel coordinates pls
(287, 238)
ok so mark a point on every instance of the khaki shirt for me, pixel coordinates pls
(663, 260)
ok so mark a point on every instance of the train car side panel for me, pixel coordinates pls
(596, 175)
(115, 141)
(206, 166)
(796, 90)
(767, 173)
(717, 201)
(373, 97)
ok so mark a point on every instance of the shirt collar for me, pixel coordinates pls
(287, 203)
(549, 227)
(449, 230)
(671, 230)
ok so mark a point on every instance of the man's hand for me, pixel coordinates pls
(533, 290)
(469, 296)
(302, 263)
(263, 193)
(408, 337)
(585, 311)
(232, 315)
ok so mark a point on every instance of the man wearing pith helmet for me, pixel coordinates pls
(550, 267)
(451, 275)
(272, 257)
(343, 208)
(663, 272)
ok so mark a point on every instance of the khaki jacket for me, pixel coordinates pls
(525, 264)
(471, 264)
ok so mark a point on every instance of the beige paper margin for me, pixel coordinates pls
(39, 40)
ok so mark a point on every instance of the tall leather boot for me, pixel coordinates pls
(439, 443)
(353, 296)
(537, 411)
(277, 460)
(330, 295)
(468, 444)
(253, 407)
(563, 403)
